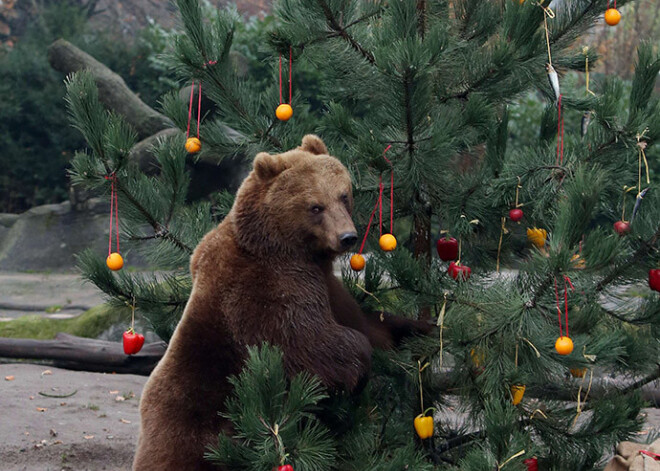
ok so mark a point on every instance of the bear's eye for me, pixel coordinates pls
(317, 209)
(344, 199)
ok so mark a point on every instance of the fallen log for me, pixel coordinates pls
(113, 91)
(82, 354)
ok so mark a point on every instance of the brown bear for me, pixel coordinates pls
(263, 275)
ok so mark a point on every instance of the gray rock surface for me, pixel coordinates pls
(47, 238)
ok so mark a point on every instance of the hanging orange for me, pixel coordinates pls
(114, 261)
(387, 242)
(612, 16)
(564, 345)
(284, 112)
(193, 145)
(357, 262)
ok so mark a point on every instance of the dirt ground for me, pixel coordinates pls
(95, 428)
(49, 295)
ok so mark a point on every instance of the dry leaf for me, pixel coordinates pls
(53, 432)
(120, 398)
(124, 421)
(31, 398)
(47, 372)
(42, 409)
(63, 403)
(9, 378)
(114, 392)
(57, 442)
(88, 437)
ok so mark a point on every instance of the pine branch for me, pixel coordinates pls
(473, 87)
(642, 382)
(636, 257)
(341, 31)
(160, 231)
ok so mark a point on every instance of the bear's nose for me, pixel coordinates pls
(348, 239)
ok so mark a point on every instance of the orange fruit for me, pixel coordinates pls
(193, 145)
(114, 261)
(517, 393)
(357, 262)
(564, 345)
(284, 112)
(612, 16)
(387, 242)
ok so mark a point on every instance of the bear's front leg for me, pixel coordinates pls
(339, 356)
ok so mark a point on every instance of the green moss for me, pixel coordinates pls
(88, 324)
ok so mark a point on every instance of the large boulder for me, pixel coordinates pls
(47, 238)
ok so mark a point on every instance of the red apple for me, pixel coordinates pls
(622, 227)
(654, 279)
(447, 248)
(516, 215)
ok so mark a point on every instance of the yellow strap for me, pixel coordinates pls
(585, 50)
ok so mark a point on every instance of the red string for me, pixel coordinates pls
(380, 206)
(567, 280)
(114, 210)
(290, 69)
(391, 189)
(558, 308)
(655, 456)
(366, 233)
(112, 206)
(280, 79)
(199, 106)
(192, 91)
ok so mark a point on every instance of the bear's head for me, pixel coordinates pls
(294, 203)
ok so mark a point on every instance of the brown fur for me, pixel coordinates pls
(264, 274)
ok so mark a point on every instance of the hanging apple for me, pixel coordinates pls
(516, 214)
(622, 227)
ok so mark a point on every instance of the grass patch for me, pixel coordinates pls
(89, 324)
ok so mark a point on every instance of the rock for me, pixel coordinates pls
(47, 238)
(7, 220)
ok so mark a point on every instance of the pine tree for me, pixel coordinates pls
(433, 80)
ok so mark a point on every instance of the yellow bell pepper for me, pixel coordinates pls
(424, 426)
(517, 393)
(537, 237)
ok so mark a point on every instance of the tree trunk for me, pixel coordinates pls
(422, 242)
(113, 92)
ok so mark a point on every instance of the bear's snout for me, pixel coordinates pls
(348, 240)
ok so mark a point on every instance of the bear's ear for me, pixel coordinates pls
(268, 166)
(314, 145)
